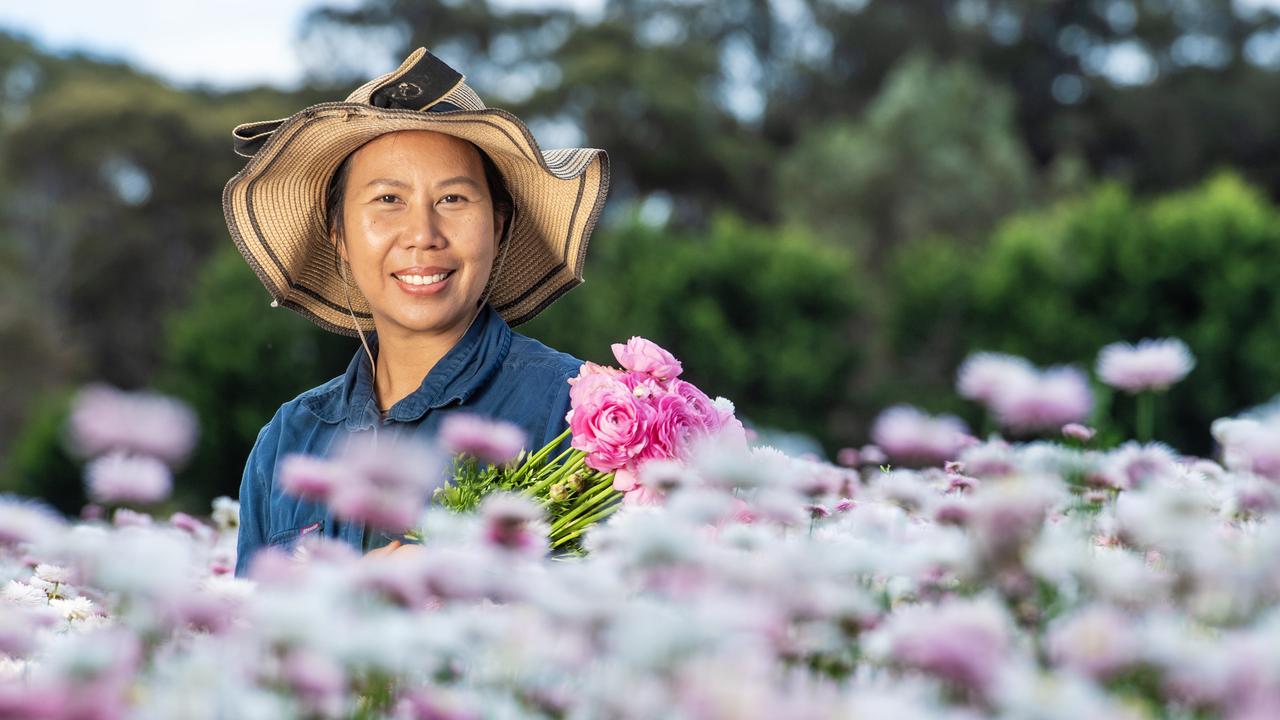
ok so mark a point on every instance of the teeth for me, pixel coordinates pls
(422, 279)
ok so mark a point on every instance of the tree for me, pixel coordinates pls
(1057, 285)
(756, 314)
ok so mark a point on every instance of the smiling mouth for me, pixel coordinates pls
(422, 279)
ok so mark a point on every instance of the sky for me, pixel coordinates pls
(223, 43)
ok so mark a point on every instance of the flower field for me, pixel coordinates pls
(930, 575)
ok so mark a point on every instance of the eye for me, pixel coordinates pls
(452, 198)
(389, 195)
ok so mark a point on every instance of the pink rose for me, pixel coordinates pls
(644, 356)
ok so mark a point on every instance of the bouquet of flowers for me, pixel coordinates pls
(620, 419)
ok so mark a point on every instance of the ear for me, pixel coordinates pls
(339, 247)
(500, 221)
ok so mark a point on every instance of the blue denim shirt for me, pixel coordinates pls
(492, 370)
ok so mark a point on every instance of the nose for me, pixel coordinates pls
(425, 228)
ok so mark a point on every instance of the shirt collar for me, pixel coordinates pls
(468, 365)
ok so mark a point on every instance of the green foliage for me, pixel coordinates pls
(937, 151)
(39, 463)
(235, 359)
(1057, 285)
(762, 316)
(572, 495)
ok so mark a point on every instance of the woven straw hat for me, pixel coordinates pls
(275, 206)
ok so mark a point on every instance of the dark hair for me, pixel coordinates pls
(337, 192)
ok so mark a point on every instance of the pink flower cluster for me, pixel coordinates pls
(625, 418)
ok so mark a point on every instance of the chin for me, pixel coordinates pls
(433, 323)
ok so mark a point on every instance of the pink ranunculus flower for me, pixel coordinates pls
(703, 408)
(674, 421)
(644, 356)
(590, 381)
(624, 480)
(611, 425)
(643, 495)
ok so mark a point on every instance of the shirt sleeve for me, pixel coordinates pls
(255, 493)
(556, 422)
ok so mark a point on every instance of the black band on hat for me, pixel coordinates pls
(421, 85)
(247, 139)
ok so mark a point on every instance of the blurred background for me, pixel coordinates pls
(821, 206)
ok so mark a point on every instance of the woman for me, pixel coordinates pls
(415, 216)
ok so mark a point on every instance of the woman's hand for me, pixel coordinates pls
(395, 547)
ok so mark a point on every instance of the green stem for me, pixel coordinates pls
(546, 449)
(593, 495)
(587, 505)
(560, 472)
(537, 458)
(583, 526)
(1146, 420)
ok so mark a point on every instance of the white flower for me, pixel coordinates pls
(23, 595)
(77, 608)
(53, 573)
(26, 521)
(226, 513)
(12, 670)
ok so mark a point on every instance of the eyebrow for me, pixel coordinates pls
(458, 179)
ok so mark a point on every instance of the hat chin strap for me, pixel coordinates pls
(345, 291)
(484, 297)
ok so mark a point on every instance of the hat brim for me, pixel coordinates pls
(274, 208)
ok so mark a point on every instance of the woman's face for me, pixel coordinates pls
(419, 230)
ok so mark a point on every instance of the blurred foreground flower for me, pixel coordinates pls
(117, 478)
(1251, 443)
(383, 482)
(492, 441)
(104, 418)
(1151, 365)
(906, 434)
(1023, 398)
(1021, 580)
